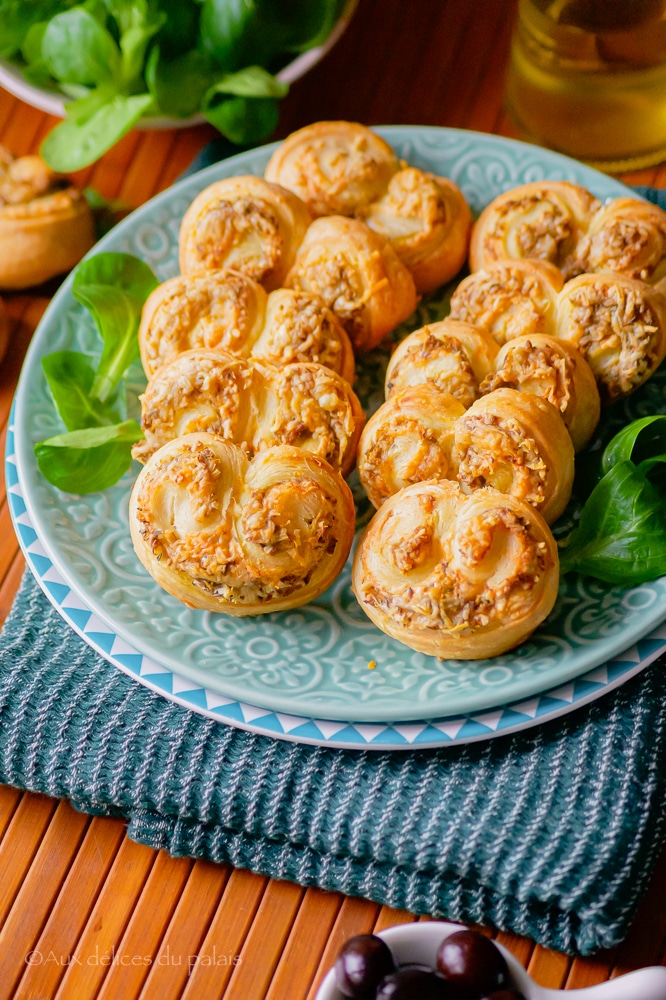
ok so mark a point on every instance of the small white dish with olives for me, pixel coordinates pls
(432, 960)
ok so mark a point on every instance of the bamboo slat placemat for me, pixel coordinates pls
(84, 911)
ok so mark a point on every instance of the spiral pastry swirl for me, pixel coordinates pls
(456, 576)
(225, 310)
(518, 444)
(555, 370)
(409, 439)
(244, 223)
(241, 536)
(358, 275)
(509, 298)
(619, 325)
(543, 220)
(452, 355)
(253, 405)
(428, 223)
(335, 167)
(46, 225)
(628, 236)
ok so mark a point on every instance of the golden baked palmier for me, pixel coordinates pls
(358, 275)
(252, 404)
(335, 167)
(542, 220)
(518, 444)
(554, 369)
(428, 223)
(619, 325)
(46, 225)
(241, 536)
(244, 223)
(456, 576)
(627, 235)
(452, 355)
(409, 439)
(509, 298)
(225, 310)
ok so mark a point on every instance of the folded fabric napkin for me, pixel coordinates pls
(552, 833)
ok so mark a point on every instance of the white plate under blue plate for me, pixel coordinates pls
(313, 661)
(453, 731)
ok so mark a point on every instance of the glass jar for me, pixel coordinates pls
(588, 78)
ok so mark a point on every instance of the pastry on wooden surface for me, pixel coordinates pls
(226, 310)
(252, 404)
(358, 275)
(619, 325)
(244, 223)
(518, 444)
(335, 167)
(456, 576)
(452, 355)
(626, 235)
(543, 220)
(427, 221)
(409, 439)
(46, 225)
(242, 536)
(509, 298)
(557, 371)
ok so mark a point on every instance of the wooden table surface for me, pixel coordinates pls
(84, 911)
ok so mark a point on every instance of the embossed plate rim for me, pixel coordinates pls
(436, 143)
(457, 730)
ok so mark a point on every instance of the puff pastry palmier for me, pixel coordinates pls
(251, 404)
(518, 444)
(626, 235)
(46, 225)
(428, 223)
(509, 298)
(358, 275)
(554, 369)
(335, 167)
(542, 220)
(224, 533)
(409, 439)
(244, 223)
(456, 576)
(619, 325)
(452, 355)
(226, 310)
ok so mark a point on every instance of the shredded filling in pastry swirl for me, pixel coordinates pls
(496, 451)
(244, 233)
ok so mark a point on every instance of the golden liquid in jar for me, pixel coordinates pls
(588, 78)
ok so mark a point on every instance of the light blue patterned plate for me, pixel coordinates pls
(453, 731)
(313, 661)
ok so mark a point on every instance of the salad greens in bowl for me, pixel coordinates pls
(111, 65)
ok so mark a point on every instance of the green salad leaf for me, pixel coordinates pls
(620, 537)
(121, 60)
(89, 395)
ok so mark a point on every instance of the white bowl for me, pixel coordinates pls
(418, 943)
(53, 101)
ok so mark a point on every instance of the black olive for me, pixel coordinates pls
(413, 982)
(473, 964)
(363, 962)
(511, 994)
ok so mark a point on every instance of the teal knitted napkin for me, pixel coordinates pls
(552, 833)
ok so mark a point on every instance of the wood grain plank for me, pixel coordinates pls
(390, 917)
(37, 894)
(307, 939)
(97, 946)
(150, 918)
(57, 942)
(520, 947)
(355, 916)
(146, 166)
(20, 845)
(265, 941)
(10, 586)
(182, 941)
(590, 971)
(9, 550)
(9, 800)
(223, 942)
(549, 968)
